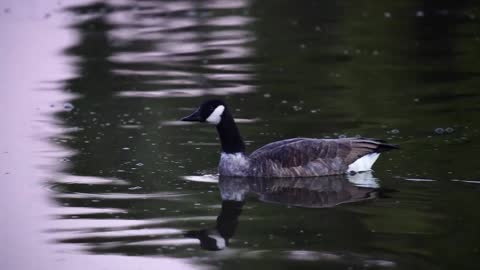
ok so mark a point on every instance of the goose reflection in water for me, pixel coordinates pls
(317, 192)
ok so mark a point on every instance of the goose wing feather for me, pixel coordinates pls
(309, 157)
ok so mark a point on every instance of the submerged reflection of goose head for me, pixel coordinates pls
(218, 238)
(318, 192)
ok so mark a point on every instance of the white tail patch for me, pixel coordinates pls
(364, 163)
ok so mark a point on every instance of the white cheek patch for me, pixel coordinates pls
(216, 116)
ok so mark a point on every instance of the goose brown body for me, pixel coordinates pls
(302, 157)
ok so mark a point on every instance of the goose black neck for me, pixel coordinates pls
(229, 135)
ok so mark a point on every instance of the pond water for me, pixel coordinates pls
(98, 172)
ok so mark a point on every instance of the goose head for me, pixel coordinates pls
(210, 111)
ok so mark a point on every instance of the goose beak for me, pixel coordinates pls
(194, 117)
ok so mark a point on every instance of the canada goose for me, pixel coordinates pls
(297, 157)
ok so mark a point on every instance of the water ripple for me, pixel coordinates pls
(122, 196)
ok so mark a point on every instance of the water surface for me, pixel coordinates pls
(99, 172)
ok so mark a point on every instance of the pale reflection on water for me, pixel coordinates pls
(182, 34)
(34, 156)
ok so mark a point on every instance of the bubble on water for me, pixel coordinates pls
(284, 102)
(439, 130)
(267, 95)
(449, 130)
(125, 148)
(297, 108)
(387, 15)
(139, 164)
(416, 100)
(395, 131)
(303, 46)
(419, 13)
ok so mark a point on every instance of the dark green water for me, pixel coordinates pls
(118, 181)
